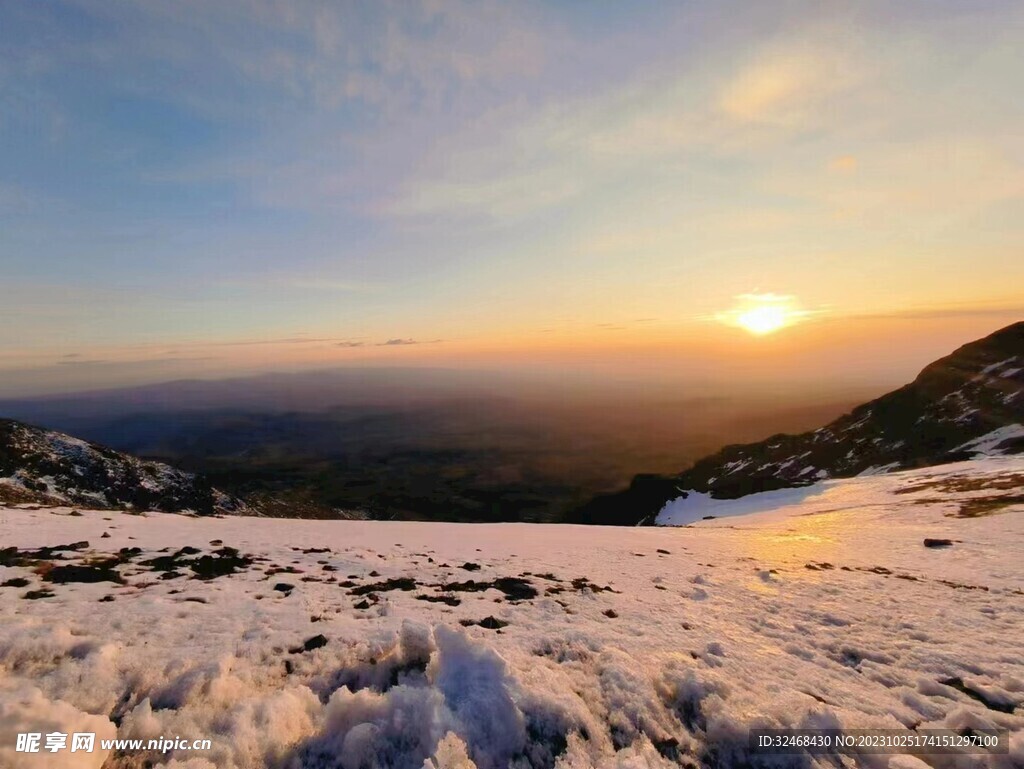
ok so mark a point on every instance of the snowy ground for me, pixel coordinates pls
(623, 647)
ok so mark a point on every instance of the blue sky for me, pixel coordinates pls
(483, 178)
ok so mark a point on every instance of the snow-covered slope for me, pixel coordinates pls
(48, 467)
(358, 644)
(967, 404)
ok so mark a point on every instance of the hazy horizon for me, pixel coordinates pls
(788, 365)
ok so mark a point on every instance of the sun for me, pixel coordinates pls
(763, 320)
(763, 314)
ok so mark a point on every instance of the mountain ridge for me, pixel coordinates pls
(51, 468)
(965, 403)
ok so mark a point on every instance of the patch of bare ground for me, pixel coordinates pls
(960, 483)
(982, 506)
(975, 507)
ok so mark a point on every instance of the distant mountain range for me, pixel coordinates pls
(50, 468)
(968, 403)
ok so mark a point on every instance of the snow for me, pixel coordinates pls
(998, 365)
(878, 469)
(643, 647)
(989, 443)
(696, 506)
(26, 709)
(60, 469)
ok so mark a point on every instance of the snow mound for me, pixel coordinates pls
(26, 710)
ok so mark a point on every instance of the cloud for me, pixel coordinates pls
(934, 182)
(788, 85)
(325, 284)
(281, 340)
(503, 195)
(505, 166)
(133, 362)
(403, 342)
(843, 164)
(350, 344)
(952, 311)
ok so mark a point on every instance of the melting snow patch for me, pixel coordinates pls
(697, 506)
(990, 443)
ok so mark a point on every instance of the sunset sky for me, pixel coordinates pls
(203, 188)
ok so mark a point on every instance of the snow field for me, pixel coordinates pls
(654, 647)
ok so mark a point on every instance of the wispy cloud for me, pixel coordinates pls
(290, 340)
(949, 312)
(787, 84)
(509, 169)
(81, 362)
(405, 342)
(135, 362)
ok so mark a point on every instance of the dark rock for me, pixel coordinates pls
(221, 563)
(310, 644)
(958, 683)
(938, 542)
(401, 583)
(86, 573)
(314, 643)
(450, 600)
(583, 584)
(514, 588)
